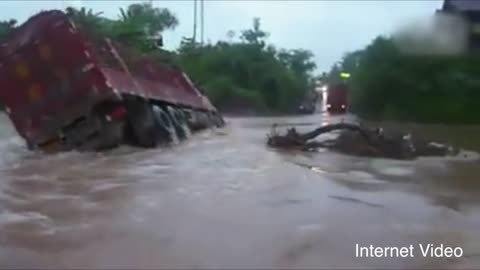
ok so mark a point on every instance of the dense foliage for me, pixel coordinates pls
(6, 27)
(387, 83)
(240, 75)
(248, 73)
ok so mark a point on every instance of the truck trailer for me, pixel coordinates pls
(65, 90)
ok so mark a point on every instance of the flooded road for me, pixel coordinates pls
(224, 200)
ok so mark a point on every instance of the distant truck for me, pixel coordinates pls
(309, 103)
(306, 108)
(337, 98)
(64, 90)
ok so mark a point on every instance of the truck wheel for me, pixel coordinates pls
(108, 136)
(217, 120)
(111, 136)
(164, 126)
(203, 120)
(210, 120)
(30, 146)
(220, 119)
(141, 123)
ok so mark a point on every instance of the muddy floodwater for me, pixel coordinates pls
(224, 200)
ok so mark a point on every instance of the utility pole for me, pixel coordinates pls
(194, 21)
(201, 20)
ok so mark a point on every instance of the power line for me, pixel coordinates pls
(202, 15)
(194, 20)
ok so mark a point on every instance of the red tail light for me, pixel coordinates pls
(117, 113)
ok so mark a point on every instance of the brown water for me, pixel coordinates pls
(224, 200)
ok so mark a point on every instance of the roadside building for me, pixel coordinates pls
(469, 11)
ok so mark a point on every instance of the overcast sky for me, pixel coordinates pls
(328, 28)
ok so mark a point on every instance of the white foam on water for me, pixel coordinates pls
(439, 162)
(359, 176)
(465, 156)
(13, 150)
(48, 231)
(148, 202)
(31, 177)
(9, 218)
(310, 228)
(59, 197)
(106, 186)
(233, 186)
(393, 167)
(396, 171)
(67, 228)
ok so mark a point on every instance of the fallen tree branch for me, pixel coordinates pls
(358, 140)
(293, 138)
(340, 126)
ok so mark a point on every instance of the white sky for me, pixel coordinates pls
(328, 28)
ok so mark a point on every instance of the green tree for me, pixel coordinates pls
(6, 27)
(249, 72)
(299, 61)
(255, 35)
(149, 20)
(141, 25)
(387, 83)
(89, 21)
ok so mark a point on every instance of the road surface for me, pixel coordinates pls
(224, 200)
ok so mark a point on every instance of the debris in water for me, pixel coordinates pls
(355, 139)
(354, 200)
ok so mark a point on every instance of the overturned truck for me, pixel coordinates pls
(64, 90)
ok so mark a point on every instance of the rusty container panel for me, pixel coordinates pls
(157, 81)
(47, 76)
